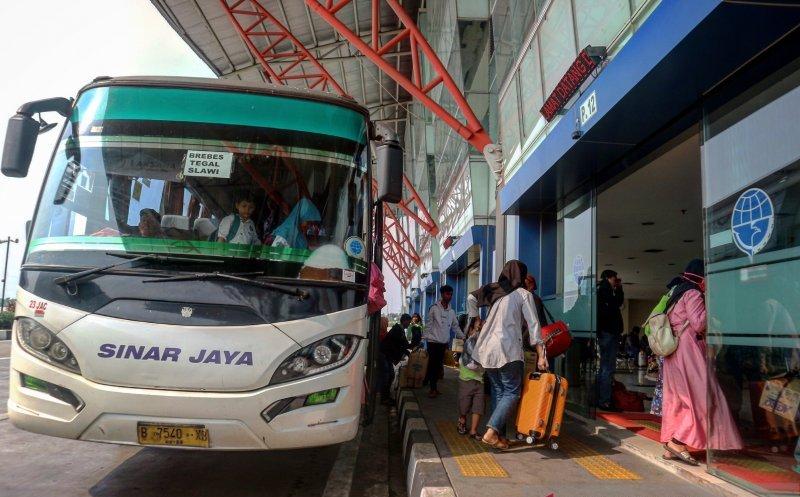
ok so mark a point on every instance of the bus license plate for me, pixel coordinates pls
(176, 435)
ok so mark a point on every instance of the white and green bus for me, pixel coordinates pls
(197, 267)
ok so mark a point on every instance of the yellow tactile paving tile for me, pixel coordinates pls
(592, 461)
(471, 457)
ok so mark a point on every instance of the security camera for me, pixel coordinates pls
(577, 134)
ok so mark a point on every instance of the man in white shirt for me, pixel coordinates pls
(439, 322)
(239, 227)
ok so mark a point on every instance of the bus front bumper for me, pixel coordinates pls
(234, 420)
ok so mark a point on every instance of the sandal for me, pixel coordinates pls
(498, 444)
(476, 436)
(462, 427)
(683, 455)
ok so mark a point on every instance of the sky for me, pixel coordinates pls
(53, 48)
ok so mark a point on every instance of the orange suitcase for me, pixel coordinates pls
(541, 408)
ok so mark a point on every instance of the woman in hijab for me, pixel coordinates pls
(693, 398)
(292, 232)
(499, 346)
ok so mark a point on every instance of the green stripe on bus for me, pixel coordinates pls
(219, 107)
(181, 247)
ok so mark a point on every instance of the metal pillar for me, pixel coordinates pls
(8, 241)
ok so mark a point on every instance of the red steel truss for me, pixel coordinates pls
(472, 130)
(398, 251)
(254, 22)
(421, 215)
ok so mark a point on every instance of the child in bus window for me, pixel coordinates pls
(239, 226)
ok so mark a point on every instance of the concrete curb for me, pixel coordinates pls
(425, 473)
(651, 451)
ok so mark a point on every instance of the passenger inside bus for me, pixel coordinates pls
(303, 218)
(238, 227)
(150, 224)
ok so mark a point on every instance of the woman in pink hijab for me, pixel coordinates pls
(693, 399)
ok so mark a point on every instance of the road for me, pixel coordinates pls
(39, 466)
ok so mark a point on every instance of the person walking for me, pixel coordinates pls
(499, 346)
(693, 399)
(393, 347)
(610, 298)
(439, 322)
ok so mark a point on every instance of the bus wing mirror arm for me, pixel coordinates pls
(23, 130)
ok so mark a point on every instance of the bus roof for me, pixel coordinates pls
(227, 85)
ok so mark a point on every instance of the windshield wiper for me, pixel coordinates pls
(64, 280)
(296, 292)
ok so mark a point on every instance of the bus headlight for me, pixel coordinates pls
(43, 343)
(323, 355)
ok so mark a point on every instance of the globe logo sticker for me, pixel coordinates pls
(752, 221)
(354, 247)
(578, 269)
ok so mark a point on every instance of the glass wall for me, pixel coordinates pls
(751, 182)
(534, 43)
(575, 298)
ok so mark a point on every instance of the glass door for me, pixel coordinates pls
(575, 299)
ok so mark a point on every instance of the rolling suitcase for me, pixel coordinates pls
(541, 408)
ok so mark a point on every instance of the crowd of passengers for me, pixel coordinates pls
(239, 227)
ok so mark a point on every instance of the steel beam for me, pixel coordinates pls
(472, 130)
(256, 25)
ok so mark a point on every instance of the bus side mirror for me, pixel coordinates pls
(22, 132)
(389, 171)
(20, 141)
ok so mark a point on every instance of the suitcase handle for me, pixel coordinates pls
(535, 375)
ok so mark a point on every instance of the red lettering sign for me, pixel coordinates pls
(569, 84)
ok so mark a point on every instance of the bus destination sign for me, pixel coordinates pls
(589, 58)
(208, 164)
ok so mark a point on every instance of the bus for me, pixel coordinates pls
(197, 268)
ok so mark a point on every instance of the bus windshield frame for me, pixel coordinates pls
(269, 183)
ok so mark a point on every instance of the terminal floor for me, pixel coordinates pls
(582, 466)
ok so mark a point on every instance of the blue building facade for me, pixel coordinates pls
(681, 145)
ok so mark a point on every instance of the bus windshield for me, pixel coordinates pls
(269, 183)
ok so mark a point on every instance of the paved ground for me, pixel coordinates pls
(583, 466)
(39, 466)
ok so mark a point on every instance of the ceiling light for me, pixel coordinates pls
(630, 258)
(615, 236)
(654, 251)
(648, 223)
